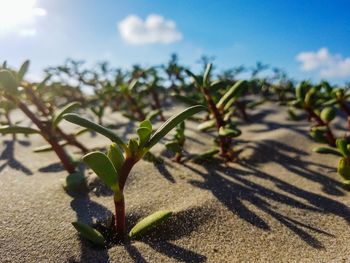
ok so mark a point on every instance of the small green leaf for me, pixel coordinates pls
(328, 114)
(207, 75)
(206, 125)
(144, 135)
(116, 156)
(47, 147)
(133, 147)
(89, 233)
(132, 84)
(342, 147)
(8, 82)
(300, 92)
(23, 70)
(17, 129)
(195, 78)
(103, 168)
(229, 132)
(344, 168)
(152, 114)
(326, 150)
(42, 84)
(76, 119)
(67, 109)
(149, 222)
(74, 182)
(235, 91)
(146, 124)
(318, 134)
(171, 123)
(206, 155)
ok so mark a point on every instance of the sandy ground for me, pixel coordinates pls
(280, 203)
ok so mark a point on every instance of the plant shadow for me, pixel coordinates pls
(234, 185)
(180, 224)
(8, 154)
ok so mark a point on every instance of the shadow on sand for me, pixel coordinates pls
(8, 155)
(235, 184)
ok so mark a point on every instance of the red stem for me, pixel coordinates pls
(120, 217)
(48, 135)
(224, 141)
(120, 224)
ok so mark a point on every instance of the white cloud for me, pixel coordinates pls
(154, 29)
(19, 17)
(326, 64)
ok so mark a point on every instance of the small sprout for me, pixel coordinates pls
(114, 168)
(149, 223)
(90, 233)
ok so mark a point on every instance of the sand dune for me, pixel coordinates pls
(280, 203)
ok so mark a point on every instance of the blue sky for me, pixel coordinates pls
(309, 39)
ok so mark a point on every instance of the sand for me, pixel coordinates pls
(280, 203)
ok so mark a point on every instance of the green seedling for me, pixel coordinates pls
(342, 150)
(21, 93)
(177, 143)
(134, 103)
(221, 110)
(175, 74)
(311, 100)
(114, 167)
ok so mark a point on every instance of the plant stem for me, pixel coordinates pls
(135, 108)
(71, 140)
(224, 141)
(47, 134)
(120, 224)
(157, 104)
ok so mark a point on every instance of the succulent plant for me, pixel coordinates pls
(114, 167)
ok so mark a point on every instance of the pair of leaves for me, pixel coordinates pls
(141, 228)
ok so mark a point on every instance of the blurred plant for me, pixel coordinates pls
(310, 99)
(220, 111)
(342, 150)
(21, 94)
(177, 143)
(114, 168)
